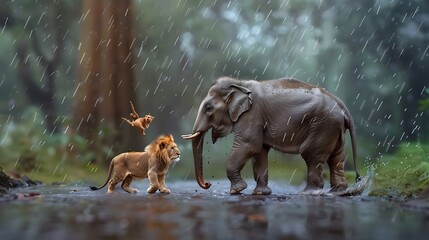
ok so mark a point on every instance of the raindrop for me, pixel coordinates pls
(361, 22)
(425, 53)
(184, 90)
(13, 60)
(26, 23)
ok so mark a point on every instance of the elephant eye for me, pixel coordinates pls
(209, 109)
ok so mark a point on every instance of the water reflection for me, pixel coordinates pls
(248, 219)
(195, 221)
(325, 220)
(186, 214)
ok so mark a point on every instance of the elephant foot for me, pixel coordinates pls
(314, 184)
(262, 190)
(238, 186)
(310, 188)
(338, 188)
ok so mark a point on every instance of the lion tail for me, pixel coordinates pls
(128, 121)
(93, 188)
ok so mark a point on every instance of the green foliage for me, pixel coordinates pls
(28, 149)
(405, 173)
(424, 103)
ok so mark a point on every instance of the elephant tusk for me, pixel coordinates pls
(191, 136)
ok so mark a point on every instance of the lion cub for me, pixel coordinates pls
(153, 163)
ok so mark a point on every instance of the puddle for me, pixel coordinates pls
(75, 212)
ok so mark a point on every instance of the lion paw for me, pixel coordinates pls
(165, 190)
(152, 189)
(131, 190)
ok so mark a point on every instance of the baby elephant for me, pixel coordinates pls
(153, 163)
(285, 114)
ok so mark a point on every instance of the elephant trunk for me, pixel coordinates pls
(197, 149)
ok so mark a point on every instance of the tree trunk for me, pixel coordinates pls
(105, 76)
(36, 93)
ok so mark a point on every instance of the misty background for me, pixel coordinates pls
(68, 70)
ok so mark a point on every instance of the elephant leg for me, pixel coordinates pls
(260, 172)
(314, 163)
(233, 172)
(126, 184)
(336, 168)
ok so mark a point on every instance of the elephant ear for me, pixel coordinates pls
(239, 100)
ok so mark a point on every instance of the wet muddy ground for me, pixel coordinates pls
(75, 212)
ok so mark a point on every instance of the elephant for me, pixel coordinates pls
(285, 114)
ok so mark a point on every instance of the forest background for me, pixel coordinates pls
(68, 70)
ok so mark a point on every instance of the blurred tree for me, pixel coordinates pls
(105, 81)
(410, 54)
(43, 95)
(6, 16)
(388, 45)
(170, 39)
(372, 54)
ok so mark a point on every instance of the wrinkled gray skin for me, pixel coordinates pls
(285, 114)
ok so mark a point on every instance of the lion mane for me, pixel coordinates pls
(158, 150)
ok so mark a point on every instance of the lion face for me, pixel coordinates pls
(173, 152)
(165, 148)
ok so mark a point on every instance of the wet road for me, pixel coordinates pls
(75, 212)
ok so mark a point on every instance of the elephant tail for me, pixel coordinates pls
(93, 188)
(351, 126)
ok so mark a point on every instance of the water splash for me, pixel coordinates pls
(359, 187)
